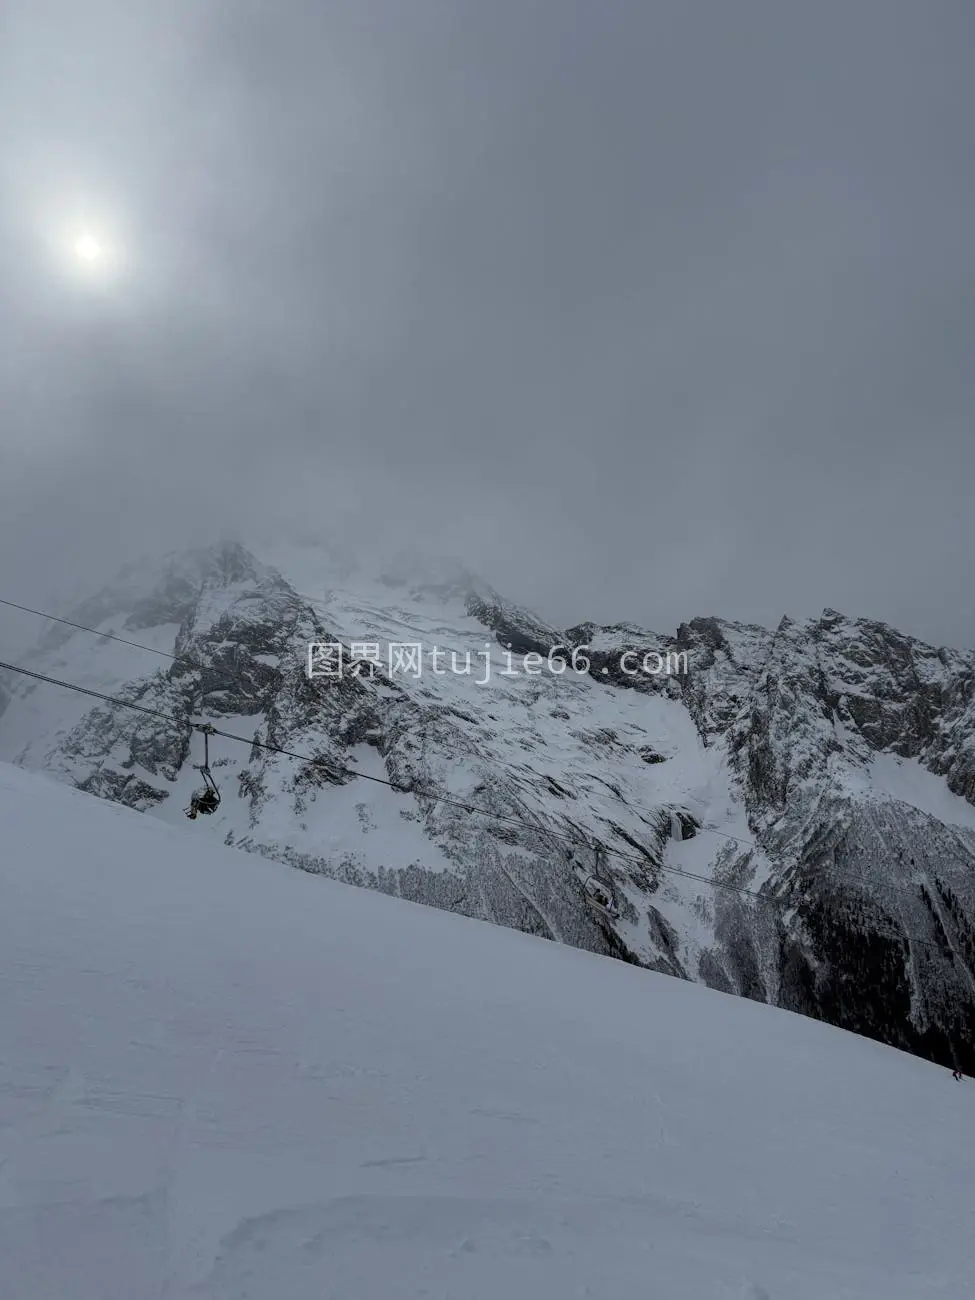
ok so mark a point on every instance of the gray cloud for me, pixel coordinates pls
(642, 311)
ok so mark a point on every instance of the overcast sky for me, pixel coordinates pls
(642, 310)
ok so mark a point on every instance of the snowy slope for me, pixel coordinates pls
(222, 1079)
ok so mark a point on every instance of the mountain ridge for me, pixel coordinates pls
(774, 762)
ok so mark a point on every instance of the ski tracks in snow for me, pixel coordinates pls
(185, 1119)
(45, 1120)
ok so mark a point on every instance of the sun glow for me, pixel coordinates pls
(82, 227)
(93, 255)
(88, 249)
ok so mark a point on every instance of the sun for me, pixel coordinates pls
(88, 249)
(83, 232)
(91, 254)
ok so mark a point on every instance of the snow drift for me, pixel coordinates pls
(221, 1078)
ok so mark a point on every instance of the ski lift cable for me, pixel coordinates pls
(165, 654)
(81, 627)
(338, 770)
(736, 840)
(497, 762)
(334, 769)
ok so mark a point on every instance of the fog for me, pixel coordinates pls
(641, 311)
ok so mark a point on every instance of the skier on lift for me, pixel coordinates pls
(206, 800)
(596, 892)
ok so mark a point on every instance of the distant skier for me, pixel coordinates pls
(957, 1074)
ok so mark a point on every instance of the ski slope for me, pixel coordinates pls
(222, 1078)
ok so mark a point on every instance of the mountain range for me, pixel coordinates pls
(785, 814)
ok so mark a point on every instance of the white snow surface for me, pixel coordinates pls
(904, 780)
(223, 1078)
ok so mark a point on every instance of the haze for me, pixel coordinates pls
(642, 311)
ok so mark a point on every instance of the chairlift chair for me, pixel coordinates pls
(596, 892)
(206, 800)
(599, 897)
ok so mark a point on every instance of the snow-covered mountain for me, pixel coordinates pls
(223, 1079)
(788, 815)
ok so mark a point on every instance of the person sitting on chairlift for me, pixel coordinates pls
(600, 895)
(208, 799)
(205, 802)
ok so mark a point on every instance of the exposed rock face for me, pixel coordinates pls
(884, 892)
(788, 815)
